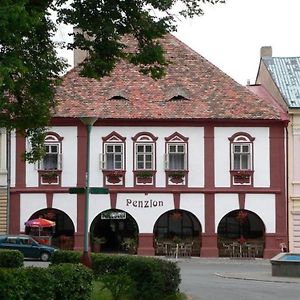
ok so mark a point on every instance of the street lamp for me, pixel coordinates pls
(86, 258)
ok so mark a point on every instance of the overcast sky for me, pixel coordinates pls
(230, 35)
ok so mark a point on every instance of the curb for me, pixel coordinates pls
(250, 278)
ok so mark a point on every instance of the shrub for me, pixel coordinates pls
(40, 285)
(13, 283)
(119, 285)
(72, 281)
(171, 277)
(148, 278)
(65, 256)
(11, 259)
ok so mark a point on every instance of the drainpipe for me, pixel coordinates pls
(287, 186)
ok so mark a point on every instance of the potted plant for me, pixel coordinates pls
(130, 245)
(97, 242)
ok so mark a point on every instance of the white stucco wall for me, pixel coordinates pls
(29, 204)
(69, 158)
(261, 158)
(264, 206)
(68, 204)
(98, 204)
(147, 215)
(224, 203)
(13, 159)
(195, 152)
(194, 203)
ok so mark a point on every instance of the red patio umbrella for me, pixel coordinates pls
(39, 223)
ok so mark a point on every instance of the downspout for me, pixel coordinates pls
(287, 186)
(8, 166)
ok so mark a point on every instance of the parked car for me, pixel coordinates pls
(29, 247)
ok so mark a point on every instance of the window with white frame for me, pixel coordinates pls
(176, 152)
(52, 159)
(241, 152)
(176, 156)
(113, 156)
(144, 145)
(144, 156)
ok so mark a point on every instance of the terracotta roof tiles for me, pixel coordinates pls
(209, 93)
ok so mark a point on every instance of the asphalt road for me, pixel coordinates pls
(199, 280)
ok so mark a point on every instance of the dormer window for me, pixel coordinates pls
(117, 97)
(177, 94)
(178, 98)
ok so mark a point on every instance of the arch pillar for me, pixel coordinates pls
(146, 244)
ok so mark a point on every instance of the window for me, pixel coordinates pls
(144, 156)
(113, 152)
(52, 158)
(176, 152)
(113, 156)
(144, 145)
(241, 152)
(176, 157)
(241, 145)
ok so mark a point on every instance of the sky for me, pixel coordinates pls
(230, 35)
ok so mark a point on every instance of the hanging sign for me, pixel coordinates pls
(113, 215)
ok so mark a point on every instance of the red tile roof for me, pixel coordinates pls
(210, 93)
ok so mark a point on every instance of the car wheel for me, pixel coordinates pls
(45, 256)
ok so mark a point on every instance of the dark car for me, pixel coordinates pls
(26, 245)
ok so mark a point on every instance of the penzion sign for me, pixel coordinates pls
(144, 203)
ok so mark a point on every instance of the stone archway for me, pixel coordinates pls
(114, 231)
(61, 236)
(177, 227)
(241, 233)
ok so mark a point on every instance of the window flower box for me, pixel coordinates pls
(242, 176)
(115, 176)
(176, 176)
(144, 176)
(49, 176)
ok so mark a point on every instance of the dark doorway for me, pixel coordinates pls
(114, 231)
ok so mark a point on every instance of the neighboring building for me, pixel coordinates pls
(3, 183)
(194, 158)
(281, 77)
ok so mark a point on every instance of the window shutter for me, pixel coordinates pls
(102, 163)
(166, 161)
(59, 161)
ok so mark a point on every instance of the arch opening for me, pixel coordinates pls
(241, 233)
(60, 236)
(177, 229)
(114, 231)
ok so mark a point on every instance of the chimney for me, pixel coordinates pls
(79, 55)
(266, 51)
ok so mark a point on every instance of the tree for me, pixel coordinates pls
(30, 68)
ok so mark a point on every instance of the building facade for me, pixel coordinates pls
(281, 77)
(192, 159)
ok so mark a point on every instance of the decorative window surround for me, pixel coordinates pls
(144, 158)
(176, 159)
(112, 161)
(241, 159)
(50, 167)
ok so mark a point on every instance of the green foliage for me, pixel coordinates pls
(72, 281)
(65, 256)
(36, 280)
(13, 284)
(11, 259)
(119, 285)
(60, 282)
